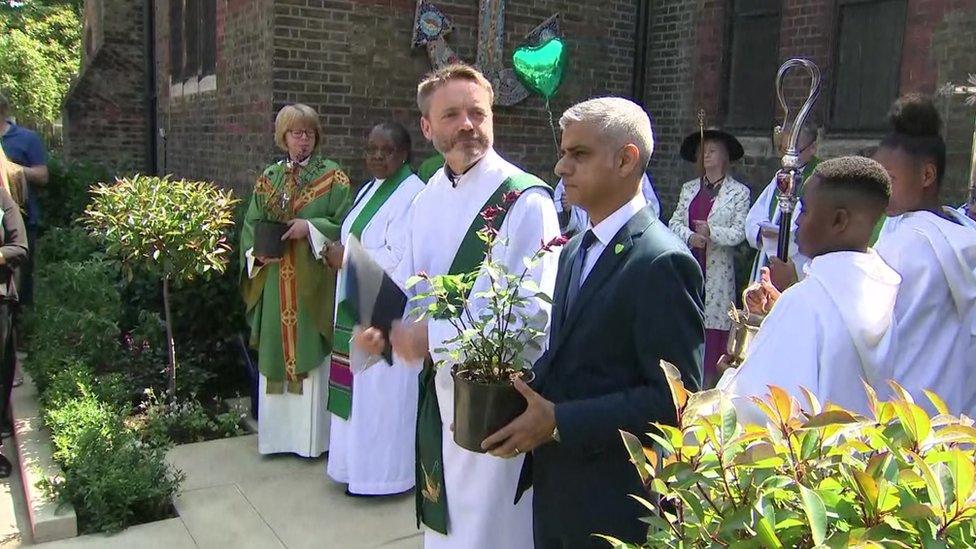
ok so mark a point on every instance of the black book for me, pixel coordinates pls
(373, 297)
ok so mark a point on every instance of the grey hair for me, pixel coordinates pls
(616, 118)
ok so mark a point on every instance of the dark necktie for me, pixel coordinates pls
(576, 277)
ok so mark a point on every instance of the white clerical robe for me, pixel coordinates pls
(480, 489)
(936, 308)
(290, 423)
(826, 333)
(759, 215)
(373, 452)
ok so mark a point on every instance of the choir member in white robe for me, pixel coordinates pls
(835, 328)
(936, 256)
(456, 105)
(573, 219)
(762, 223)
(371, 444)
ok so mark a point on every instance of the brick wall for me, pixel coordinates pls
(223, 135)
(953, 59)
(105, 118)
(351, 61)
(687, 70)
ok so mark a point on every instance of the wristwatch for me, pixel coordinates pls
(555, 434)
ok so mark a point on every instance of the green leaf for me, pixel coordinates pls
(636, 452)
(937, 496)
(830, 417)
(937, 402)
(816, 514)
(962, 470)
(766, 533)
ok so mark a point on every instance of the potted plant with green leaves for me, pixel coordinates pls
(175, 229)
(489, 350)
(812, 476)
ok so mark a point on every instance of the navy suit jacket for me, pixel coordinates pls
(641, 303)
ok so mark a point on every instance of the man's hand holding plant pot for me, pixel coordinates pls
(527, 432)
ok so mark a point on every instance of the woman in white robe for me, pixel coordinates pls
(935, 253)
(372, 437)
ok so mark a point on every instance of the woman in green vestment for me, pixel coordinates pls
(290, 300)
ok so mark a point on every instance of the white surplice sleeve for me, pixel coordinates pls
(785, 353)
(651, 196)
(388, 250)
(759, 214)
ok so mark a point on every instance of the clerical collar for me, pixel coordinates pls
(455, 178)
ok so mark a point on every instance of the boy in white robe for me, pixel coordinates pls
(935, 253)
(834, 328)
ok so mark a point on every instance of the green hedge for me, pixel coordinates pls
(96, 352)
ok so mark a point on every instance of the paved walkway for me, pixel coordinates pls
(234, 498)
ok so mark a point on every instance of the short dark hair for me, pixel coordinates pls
(855, 176)
(400, 135)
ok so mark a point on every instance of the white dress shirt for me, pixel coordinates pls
(607, 229)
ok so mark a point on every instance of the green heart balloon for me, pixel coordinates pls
(540, 68)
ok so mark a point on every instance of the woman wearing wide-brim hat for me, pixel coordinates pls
(710, 218)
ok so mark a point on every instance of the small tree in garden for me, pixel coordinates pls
(176, 230)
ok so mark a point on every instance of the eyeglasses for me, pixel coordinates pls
(298, 134)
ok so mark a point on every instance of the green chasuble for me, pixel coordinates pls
(290, 305)
(340, 374)
(430, 166)
(431, 498)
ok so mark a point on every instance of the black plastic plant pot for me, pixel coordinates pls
(481, 409)
(267, 239)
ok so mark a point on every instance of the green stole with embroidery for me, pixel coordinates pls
(340, 373)
(431, 495)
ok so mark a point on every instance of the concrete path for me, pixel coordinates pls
(235, 498)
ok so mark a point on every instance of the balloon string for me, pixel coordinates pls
(552, 126)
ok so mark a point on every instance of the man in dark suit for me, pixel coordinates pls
(628, 295)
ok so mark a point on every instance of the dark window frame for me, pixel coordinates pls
(749, 123)
(193, 54)
(845, 128)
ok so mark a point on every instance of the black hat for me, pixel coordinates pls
(689, 147)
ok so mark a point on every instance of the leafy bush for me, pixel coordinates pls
(813, 477)
(71, 244)
(161, 422)
(77, 380)
(98, 354)
(180, 233)
(115, 481)
(74, 319)
(64, 199)
(40, 54)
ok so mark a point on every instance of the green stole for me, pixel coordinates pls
(430, 166)
(431, 494)
(774, 206)
(340, 373)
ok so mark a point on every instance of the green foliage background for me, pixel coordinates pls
(40, 54)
